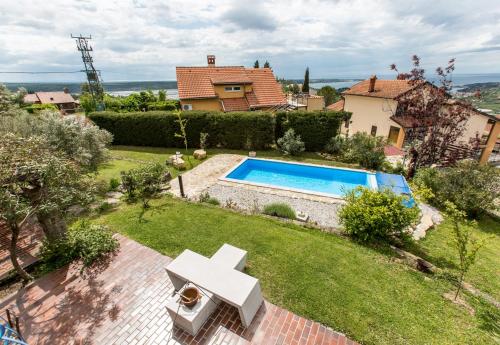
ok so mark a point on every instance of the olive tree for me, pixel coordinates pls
(78, 138)
(36, 180)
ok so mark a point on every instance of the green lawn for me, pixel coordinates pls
(354, 289)
(129, 157)
(485, 274)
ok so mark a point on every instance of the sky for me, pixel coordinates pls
(145, 39)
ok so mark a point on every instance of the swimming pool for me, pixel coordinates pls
(305, 178)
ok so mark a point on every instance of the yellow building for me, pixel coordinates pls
(228, 88)
(373, 104)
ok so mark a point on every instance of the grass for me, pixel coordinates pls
(438, 248)
(361, 291)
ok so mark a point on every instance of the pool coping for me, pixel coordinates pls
(371, 177)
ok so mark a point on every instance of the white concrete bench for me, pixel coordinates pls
(226, 283)
(230, 256)
(191, 319)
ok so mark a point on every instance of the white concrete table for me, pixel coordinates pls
(191, 319)
(231, 286)
(230, 256)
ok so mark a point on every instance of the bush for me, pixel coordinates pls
(206, 198)
(129, 183)
(114, 183)
(472, 187)
(366, 150)
(337, 145)
(237, 130)
(36, 108)
(370, 215)
(290, 144)
(314, 127)
(144, 182)
(279, 210)
(86, 242)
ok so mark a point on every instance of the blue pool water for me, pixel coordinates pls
(308, 178)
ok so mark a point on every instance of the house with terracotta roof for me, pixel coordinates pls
(373, 104)
(61, 99)
(228, 88)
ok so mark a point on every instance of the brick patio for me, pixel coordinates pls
(123, 302)
(28, 245)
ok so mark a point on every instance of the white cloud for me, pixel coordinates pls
(145, 40)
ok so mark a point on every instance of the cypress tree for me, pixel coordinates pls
(256, 64)
(305, 86)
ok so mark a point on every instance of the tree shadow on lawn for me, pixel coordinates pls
(152, 210)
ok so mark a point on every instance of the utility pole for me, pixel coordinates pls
(93, 76)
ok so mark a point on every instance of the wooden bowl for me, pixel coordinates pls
(190, 297)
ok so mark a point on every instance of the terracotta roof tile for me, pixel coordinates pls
(31, 98)
(55, 97)
(337, 106)
(383, 88)
(197, 82)
(235, 104)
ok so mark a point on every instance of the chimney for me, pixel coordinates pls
(211, 60)
(371, 87)
(66, 90)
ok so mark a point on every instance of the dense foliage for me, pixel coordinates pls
(84, 241)
(314, 127)
(142, 101)
(279, 209)
(370, 215)
(79, 139)
(360, 148)
(290, 143)
(236, 130)
(471, 187)
(144, 182)
(330, 94)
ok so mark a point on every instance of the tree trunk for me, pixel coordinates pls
(53, 226)
(460, 281)
(13, 253)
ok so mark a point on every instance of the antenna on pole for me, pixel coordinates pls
(93, 76)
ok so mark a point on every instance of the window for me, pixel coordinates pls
(232, 88)
(374, 131)
(393, 134)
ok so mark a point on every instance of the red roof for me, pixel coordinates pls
(198, 82)
(337, 106)
(59, 97)
(390, 150)
(383, 88)
(235, 104)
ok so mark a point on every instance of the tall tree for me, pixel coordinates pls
(162, 96)
(267, 65)
(433, 120)
(305, 86)
(330, 94)
(256, 64)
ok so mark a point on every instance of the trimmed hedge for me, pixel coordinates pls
(315, 128)
(236, 130)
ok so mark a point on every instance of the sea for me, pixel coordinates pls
(125, 88)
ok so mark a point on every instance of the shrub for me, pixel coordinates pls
(148, 180)
(370, 215)
(279, 210)
(290, 144)
(314, 127)
(234, 130)
(205, 197)
(114, 183)
(129, 183)
(471, 187)
(86, 242)
(337, 145)
(366, 150)
(36, 108)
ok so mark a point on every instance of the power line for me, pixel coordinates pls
(38, 72)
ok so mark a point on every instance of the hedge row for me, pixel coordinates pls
(236, 130)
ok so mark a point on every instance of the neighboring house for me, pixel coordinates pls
(61, 99)
(373, 104)
(228, 88)
(304, 101)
